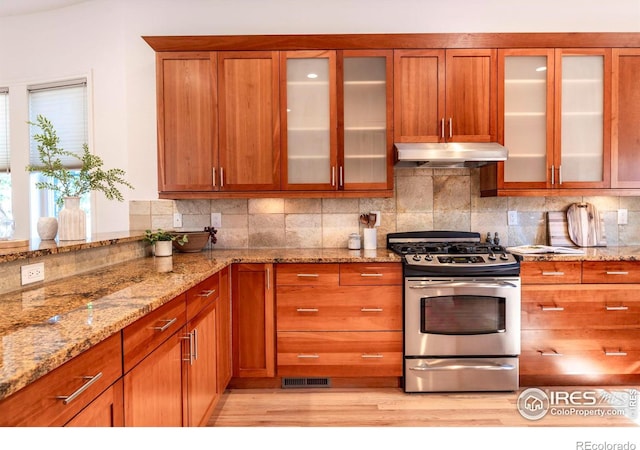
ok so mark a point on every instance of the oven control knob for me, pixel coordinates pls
(492, 257)
(504, 257)
(428, 258)
(416, 257)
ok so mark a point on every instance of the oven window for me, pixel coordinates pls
(462, 314)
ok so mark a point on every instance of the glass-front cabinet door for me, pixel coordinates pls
(364, 117)
(308, 115)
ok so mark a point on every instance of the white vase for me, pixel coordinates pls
(72, 221)
(163, 248)
(370, 239)
(47, 228)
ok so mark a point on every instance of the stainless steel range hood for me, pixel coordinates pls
(450, 154)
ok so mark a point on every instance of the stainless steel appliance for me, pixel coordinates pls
(461, 312)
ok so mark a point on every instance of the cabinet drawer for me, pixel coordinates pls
(551, 272)
(58, 396)
(143, 336)
(353, 308)
(587, 363)
(202, 294)
(370, 274)
(343, 354)
(307, 274)
(581, 340)
(611, 272)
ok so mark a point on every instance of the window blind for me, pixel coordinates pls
(64, 104)
(4, 130)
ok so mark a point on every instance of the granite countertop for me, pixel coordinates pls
(627, 253)
(46, 325)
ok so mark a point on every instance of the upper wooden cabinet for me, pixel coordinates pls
(336, 109)
(445, 96)
(554, 118)
(625, 129)
(187, 121)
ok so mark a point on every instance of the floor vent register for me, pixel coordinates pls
(290, 383)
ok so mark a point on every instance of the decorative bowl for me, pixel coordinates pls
(197, 240)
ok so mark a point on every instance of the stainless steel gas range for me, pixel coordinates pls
(461, 312)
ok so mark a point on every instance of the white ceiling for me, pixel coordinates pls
(18, 7)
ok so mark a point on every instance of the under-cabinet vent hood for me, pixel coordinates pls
(450, 154)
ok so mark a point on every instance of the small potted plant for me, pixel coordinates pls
(70, 184)
(162, 241)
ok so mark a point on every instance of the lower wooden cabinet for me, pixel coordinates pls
(223, 330)
(580, 333)
(105, 411)
(253, 320)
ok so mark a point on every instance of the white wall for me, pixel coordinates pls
(103, 38)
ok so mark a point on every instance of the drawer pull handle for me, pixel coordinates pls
(617, 273)
(90, 380)
(552, 274)
(371, 275)
(312, 356)
(308, 275)
(552, 308)
(307, 309)
(370, 309)
(190, 336)
(616, 308)
(551, 353)
(166, 325)
(615, 353)
(207, 293)
(369, 355)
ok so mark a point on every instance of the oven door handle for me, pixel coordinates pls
(456, 284)
(462, 365)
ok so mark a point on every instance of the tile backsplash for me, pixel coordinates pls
(424, 199)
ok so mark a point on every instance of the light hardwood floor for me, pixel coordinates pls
(388, 407)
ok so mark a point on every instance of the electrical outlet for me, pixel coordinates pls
(377, 213)
(512, 218)
(216, 220)
(177, 220)
(32, 273)
(622, 217)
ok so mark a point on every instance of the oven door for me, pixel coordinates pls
(462, 317)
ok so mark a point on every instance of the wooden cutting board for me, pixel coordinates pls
(586, 227)
(557, 230)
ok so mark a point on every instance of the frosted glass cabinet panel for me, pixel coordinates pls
(582, 118)
(310, 123)
(365, 120)
(526, 118)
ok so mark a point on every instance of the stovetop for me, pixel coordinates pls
(455, 253)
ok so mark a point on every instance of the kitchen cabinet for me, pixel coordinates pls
(336, 109)
(340, 320)
(253, 320)
(580, 331)
(56, 398)
(187, 121)
(625, 116)
(445, 95)
(105, 411)
(554, 118)
(223, 332)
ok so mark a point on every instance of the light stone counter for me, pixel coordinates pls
(631, 253)
(42, 327)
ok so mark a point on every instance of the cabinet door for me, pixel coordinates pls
(202, 392)
(582, 118)
(253, 320)
(625, 133)
(365, 114)
(187, 122)
(249, 148)
(153, 392)
(525, 112)
(309, 116)
(105, 411)
(419, 78)
(471, 95)
(223, 337)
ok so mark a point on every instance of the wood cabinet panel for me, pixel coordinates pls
(551, 272)
(144, 335)
(223, 337)
(105, 411)
(370, 274)
(587, 363)
(58, 396)
(578, 340)
(201, 295)
(307, 274)
(187, 121)
(339, 308)
(345, 354)
(611, 272)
